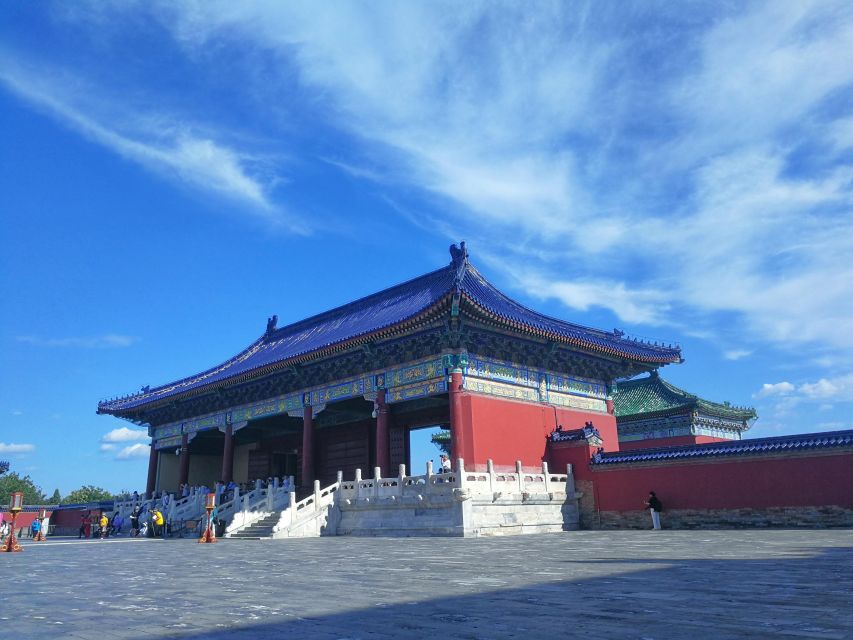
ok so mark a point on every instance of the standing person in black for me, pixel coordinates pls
(655, 507)
(134, 522)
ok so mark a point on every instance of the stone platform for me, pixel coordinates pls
(613, 584)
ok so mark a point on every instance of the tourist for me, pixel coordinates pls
(655, 507)
(4, 529)
(445, 464)
(134, 521)
(35, 527)
(104, 524)
(85, 524)
(118, 521)
(158, 521)
(135, 497)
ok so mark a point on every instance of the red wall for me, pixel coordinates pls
(758, 482)
(24, 519)
(653, 443)
(508, 430)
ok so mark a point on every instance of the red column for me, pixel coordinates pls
(383, 444)
(185, 460)
(153, 457)
(227, 474)
(307, 447)
(457, 418)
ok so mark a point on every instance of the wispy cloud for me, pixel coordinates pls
(16, 448)
(737, 354)
(540, 127)
(123, 434)
(159, 142)
(133, 451)
(700, 174)
(107, 341)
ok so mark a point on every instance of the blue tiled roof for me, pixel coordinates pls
(389, 310)
(752, 446)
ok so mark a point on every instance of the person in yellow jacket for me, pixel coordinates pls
(105, 523)
(158, 521)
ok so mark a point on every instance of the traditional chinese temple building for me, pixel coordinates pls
(342, 390)
(651, 412)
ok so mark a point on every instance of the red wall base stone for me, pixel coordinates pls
(824, 517)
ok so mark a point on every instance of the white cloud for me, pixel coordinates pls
(736, 354)
(17, 412)
(134, 451)
(634, 306)
(838, 389)
(107, 341)
(123, 434)
(16, 448)
(107, 447)
(835, 389)
(775, 389)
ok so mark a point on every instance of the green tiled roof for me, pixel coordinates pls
(653, 395)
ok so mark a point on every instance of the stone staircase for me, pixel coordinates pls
(258, 530)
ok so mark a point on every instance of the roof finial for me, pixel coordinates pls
(271, 324)
(459, 260)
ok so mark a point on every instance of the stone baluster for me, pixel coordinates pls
(340, 478)
(316, 495)
(377, 475)
(570, 481)
(270, 494)
(258, 484)
(518, 473)
(401, 478)
(547, 477)
(490, 467)
(357, 484)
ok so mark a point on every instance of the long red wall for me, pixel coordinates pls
(759, 482)
(507, 430)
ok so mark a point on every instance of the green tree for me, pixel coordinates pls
(88, 493)
(56, 498)
(11, 482)
(4, 467)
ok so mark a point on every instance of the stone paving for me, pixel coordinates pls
(613, 584)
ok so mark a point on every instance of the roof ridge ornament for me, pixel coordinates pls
(459, 260)
(271, 324)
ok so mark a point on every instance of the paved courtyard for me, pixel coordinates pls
(627, 584)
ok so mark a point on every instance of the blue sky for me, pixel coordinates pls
(173, 175)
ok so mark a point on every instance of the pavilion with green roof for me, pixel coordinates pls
(651, 412)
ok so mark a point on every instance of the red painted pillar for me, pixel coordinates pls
(153, 457)
(185, 460)
(457, 418)
(383, 443)
(227, 474)
(307, 447)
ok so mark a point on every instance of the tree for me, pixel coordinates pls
(9, 483)
(4, 467)
(56, 498)
(87, 493)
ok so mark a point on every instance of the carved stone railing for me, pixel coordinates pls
(244, 510)
(460, 483)
(317, 514)
(316, 505)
